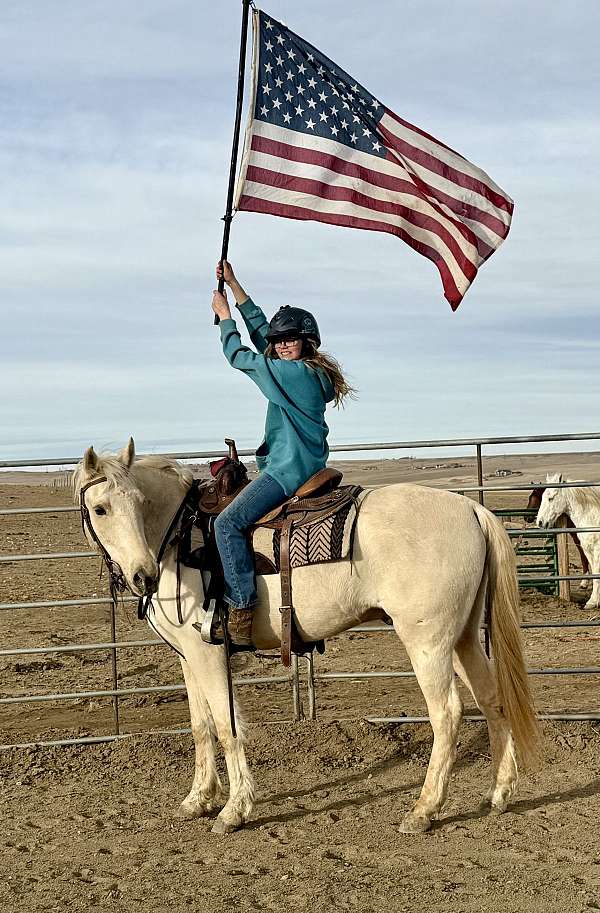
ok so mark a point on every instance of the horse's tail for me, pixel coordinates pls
(505, 617)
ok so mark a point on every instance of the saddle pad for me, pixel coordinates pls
(325, 540)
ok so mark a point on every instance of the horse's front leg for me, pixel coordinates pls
(239, 806)
(203, 798)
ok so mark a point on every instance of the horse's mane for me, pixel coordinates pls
(117, 474)
(164, 464)
(588, 496)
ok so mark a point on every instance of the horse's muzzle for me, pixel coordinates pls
(145, 584)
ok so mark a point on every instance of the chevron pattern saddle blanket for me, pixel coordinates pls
(327, 539)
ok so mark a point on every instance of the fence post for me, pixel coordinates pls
(486, 635)
(115, 675)
(310, 684)
(562, 548)
(296, 702)
(480, 473)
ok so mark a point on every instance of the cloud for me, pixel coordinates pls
(114, 156)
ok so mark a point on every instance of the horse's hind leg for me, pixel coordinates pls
(585, 564)
(476, 671)
(594, 560)
(204, 795)
(436, 679)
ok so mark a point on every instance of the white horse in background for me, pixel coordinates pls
(582, 505)
(426, 557)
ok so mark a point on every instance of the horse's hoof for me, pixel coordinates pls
(486, 808)
(497, 806)
(222, 827)
(496, 810)
(414, 824)
(193, 811)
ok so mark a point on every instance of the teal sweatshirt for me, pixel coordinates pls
(295, 441)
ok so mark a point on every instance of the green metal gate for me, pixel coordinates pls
(536, 550)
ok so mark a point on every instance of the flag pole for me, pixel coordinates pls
(236, 138)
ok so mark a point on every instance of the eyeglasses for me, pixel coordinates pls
(288, 342)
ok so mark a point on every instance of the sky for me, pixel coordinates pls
(116, 121)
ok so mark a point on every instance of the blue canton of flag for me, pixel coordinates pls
(320, 147)
(300, 88)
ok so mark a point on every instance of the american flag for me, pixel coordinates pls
(320, 147)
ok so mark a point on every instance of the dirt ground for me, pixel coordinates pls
(95, 826)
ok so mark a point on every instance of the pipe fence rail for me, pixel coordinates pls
(294, 679)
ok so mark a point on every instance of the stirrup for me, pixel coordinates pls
(209, 627)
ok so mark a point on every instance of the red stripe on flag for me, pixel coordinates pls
(437, 198)
(370, 176)
(444, 170)
(462, 210)
(254, 204)
(333, 192)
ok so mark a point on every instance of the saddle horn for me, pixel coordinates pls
(233, 454)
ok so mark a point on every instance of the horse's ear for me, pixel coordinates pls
(90, 461)
(126, 456)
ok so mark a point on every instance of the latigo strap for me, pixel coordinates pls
(287, 612)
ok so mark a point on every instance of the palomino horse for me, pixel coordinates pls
(582, 506)
(535, 499)
(428, 558)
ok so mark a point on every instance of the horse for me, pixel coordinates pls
(535, 499)
(582, 507)
(427, 558)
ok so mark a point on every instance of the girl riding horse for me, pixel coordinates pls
(298, 381)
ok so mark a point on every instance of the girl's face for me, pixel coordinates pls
(289, 349)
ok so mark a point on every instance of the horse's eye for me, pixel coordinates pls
(99, 511)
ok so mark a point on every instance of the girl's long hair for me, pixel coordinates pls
(332, 368)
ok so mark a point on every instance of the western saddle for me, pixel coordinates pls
(317, 499)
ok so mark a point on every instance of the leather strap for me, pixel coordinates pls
(116, 578)
(190, 499)
(286, 593)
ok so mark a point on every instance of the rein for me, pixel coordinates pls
(145, 601)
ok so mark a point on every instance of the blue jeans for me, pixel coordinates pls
(252, 503)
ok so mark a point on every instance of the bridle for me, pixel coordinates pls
(116, 577)
(117, 581)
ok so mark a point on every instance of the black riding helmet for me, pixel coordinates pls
(290, 321)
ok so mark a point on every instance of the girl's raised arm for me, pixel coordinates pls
(254, 318)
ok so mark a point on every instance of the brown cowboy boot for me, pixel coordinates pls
(239, 626)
